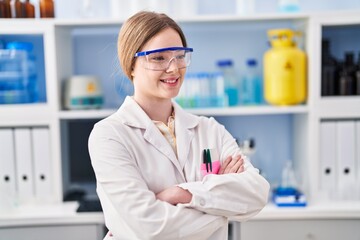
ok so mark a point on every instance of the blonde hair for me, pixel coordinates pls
(137, 31)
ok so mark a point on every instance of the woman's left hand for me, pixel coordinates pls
(232, 165)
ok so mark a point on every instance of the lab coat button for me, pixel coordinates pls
(202, 202)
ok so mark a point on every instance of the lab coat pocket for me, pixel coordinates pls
(213, 170)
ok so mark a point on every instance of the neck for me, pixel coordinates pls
(157, 110)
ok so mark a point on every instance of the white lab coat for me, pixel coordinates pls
(133, 161)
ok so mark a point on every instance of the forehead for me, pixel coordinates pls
(165, 38)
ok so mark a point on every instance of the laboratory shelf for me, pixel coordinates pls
(86, 114)
(228, 111)
(336, 106)
(25, 114)
(250, 110)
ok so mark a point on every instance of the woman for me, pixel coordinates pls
(154, 179)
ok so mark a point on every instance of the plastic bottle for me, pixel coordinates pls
(251, 84)
(288, 5)
(27, 67)
(285, 80)
(47, 9)
(226, 67)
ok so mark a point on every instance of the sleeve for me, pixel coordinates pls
(236, 195)
(130, 206)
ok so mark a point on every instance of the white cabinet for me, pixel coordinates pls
(300, 230)
(56, 232)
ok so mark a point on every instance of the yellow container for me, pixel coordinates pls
(284, 70)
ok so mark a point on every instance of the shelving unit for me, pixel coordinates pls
(89, 47)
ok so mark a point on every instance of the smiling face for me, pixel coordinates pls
(150, 85)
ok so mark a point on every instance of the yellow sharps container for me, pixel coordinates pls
(284, 69)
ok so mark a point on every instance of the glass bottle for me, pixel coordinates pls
(347, 75)
(5, 9)
(47, 9)
(329, 83)
(357, 75)
(19, 9)
(29, 9)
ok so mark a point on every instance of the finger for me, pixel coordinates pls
(231, 165)
(224, 165)
(241, 169)
(237, 165)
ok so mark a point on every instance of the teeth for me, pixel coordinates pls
(169, 81)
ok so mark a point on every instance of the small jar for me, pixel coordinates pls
(47, 9)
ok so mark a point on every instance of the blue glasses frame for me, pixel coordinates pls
(144, 53)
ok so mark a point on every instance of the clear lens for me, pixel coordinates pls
(160, 61)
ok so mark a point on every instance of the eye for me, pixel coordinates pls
(180, 57)
(156, 58)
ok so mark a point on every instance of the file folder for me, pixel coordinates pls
(328, 158)
(346, 159)
(7, 166)
(24, 166)
(42, 162)
(358, 158)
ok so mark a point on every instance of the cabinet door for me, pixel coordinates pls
(300, 230)
(59, 232)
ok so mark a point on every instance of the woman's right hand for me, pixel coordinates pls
(232, 165)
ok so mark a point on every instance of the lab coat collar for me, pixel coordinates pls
(134, 116)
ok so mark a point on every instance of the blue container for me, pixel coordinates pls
(18, 81)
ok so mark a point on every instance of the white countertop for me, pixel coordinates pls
(326, 210)
(48, 214)
(65, 213)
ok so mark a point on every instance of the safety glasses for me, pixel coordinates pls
(160, 59)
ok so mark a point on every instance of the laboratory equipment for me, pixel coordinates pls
(284, 69)
(18, 80)
(83, 92)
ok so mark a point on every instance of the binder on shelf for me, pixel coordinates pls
(328, 158)
(346, 159)
(7, 168)
(42, 162)
(24, 166)
(357, 147)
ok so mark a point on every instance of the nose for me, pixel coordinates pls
(172, 66)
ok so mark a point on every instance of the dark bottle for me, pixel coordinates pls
(357, 76)
(329, 79)
(47, 9)
(19, 9)
(347, 75)
(5, 9)
(29, 9)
